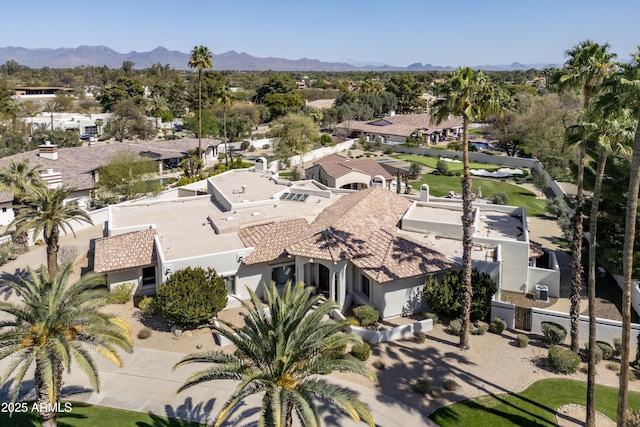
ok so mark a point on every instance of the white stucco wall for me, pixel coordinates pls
(6, 213)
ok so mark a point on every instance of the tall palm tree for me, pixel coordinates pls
(200, 58)
(223, 96)
(99, 123)
(58, 322)
(45, 211)
(20, 177)
(51, 107)
(588, 65)
(157, 104)
(625, 90)
(472, 96)
(602, 136)
(283, 353)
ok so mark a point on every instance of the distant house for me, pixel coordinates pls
(336, 171)
(29, 91)
(395, 129)
(78, 167)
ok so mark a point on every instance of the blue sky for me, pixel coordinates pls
(400, 32)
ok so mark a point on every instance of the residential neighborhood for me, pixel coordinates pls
(213, 238)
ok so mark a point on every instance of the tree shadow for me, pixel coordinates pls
(6, 291)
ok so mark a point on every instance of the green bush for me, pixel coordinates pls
(563, 360)
(122, 293)
(500, 198)
(432, 316)
(554, 334)
(419, 337)
(455, 326)
(367, 315)
(607, 349)
(497, 326)
(325, 139)
(442, 167)
(148, 306)
(389, 150)
(480, 329)
(266, 146)
(617, 346)
(443, 297)
(340, 349)
(8, 252)
(361, 351)
(599, 353)
(522, 340)
(192, 296)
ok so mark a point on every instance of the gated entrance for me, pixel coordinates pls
(523, 318)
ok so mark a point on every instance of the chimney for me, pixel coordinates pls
(53, 179)
(48, 151)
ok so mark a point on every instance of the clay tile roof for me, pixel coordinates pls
(387, 256)
(535, 249)
(336, 166)
(6, 196)
(341, 230)
(270, 240)
(125, 251)
(79, 182)
(401, 125)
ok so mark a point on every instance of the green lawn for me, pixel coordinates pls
(440, 185)
(83, 414)
(453, 166)
(535, 406)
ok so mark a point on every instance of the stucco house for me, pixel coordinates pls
(336, 171)
(78, 167)
(395, 129)
(369, 247)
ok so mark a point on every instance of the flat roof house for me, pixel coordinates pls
(371, 246)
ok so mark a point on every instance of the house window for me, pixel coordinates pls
(230, 283)
(149, 276)
(4, 210)
(366, 286)
(281, 275)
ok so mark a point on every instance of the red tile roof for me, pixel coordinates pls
(125, 251)
(336, 166)
(269, 240)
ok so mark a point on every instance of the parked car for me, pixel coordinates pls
(85, 137)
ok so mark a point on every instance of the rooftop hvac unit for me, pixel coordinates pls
(542, 293)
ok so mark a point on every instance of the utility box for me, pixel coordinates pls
(542, 293)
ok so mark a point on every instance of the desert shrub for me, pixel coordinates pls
(450, 385)
(554, 334)
(361, 351)
(122, 293)
(421, 386)
(480, 329)
(367, 315)
(615, 367)
(522, 340)
(599, 354)
(419, 337)
(617, 346)
(555, 206)
(442, 167)
(633, 418)
(295, 174)
(539, 180)
(607, 349)
(192, 296)
(144, 333)
(444, 297)
(389, 150)
(244, 145)
(379, 364)
(266, 146)
(562, 360)
(434, 317)
(455, 326)
(148, 306)
(500, 198)
(8, 252)
(497, 325)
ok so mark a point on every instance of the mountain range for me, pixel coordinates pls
(231, 60)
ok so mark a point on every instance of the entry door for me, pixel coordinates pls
(324, 277)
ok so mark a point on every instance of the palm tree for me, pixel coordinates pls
(51, 107)
(471, 96)
(157, 105)
(44, 210)
(58, 322)
(190, 163)
(20, 177)
(625, 90)
(223, 96)
(588, 65)
(282, 353)
(99, 123)
(602, 136)
(200, 58)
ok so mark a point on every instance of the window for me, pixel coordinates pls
(149, 276)
(281, 275)
(4, 210)
(366, 286)
(230, 283)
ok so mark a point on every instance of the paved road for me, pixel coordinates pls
(147, 383)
